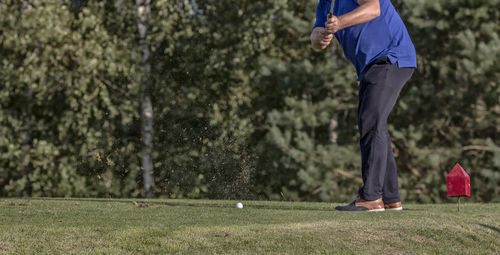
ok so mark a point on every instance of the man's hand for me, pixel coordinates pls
(332, 24)
(320, 38)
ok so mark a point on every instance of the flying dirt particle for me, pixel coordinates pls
(226, 234)
(77, 203)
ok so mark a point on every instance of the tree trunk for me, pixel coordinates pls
(313, 128)
(331, 130)
(143, 10)
(333, 126)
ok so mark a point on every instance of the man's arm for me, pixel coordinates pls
(320, 39)
(367, 11)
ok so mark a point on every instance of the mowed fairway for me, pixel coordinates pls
(63, 226)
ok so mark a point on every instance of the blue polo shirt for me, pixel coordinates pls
(384, 36)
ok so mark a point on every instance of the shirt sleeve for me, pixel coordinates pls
(322, 11)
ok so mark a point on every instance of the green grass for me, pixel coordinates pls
(65, 226)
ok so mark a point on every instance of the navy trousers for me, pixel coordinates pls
(378, 93)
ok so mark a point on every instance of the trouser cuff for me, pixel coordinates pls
(390, 201)
(368, 197)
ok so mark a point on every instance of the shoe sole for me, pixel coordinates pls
(377, 210)
(395, 209)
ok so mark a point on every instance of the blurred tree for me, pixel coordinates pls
(450, 111)
(66, 113)
(243, 107)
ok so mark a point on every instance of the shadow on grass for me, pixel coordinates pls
(213, 204)
(413, 209)
(196, 204)
(490, 227)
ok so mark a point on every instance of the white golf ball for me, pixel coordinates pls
(239, 205)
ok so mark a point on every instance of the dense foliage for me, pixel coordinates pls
(243, 106)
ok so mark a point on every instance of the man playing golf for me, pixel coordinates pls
(376, 42)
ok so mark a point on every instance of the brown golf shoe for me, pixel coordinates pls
(394, 206)
(363, 205)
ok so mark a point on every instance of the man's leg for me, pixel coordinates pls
(391, 187)
(378, 94)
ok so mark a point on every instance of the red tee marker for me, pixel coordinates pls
(458, 183)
